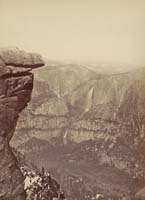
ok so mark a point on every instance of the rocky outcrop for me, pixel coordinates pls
(16, 83)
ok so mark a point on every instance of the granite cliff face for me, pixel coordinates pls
(16, 83)
(88, 117)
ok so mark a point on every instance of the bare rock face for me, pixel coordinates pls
(16, 84)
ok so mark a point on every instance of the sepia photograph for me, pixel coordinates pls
(72, 99)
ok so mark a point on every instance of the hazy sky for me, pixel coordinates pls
(108, 30)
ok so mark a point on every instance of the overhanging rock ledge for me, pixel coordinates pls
(16, 84)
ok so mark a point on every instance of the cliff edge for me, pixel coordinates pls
(16, 84)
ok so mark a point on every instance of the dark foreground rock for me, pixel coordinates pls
(16, 83)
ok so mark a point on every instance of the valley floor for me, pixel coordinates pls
(80, 179)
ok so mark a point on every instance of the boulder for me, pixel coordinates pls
(19, 58)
